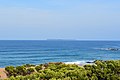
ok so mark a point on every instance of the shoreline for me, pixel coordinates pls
(77, 62)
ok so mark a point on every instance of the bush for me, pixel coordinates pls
(38, 68)
(11, 71)
(21, 70)
(102, 70)
(30, 70)
(29, 65)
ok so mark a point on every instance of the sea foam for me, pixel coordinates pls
(83, 62)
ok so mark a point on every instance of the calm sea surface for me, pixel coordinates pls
(36, 52)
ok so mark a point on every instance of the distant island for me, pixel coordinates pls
(61, 39)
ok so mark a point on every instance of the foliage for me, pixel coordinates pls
(29, 65)
(101, 70)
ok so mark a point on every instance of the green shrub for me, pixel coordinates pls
(102, 70)
(11, 71)
(29, 65)
(30, 70)
(21, 70)
(38, 68)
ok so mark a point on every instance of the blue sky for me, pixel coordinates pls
(59, 19)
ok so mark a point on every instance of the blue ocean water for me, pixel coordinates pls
(18, 52)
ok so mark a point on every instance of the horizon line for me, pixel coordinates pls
(57, 40)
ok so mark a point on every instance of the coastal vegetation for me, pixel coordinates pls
(101, 70)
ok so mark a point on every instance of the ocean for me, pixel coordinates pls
(18, 52)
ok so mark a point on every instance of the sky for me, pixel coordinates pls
(60, 19)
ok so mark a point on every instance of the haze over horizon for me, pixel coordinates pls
(60, 19)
